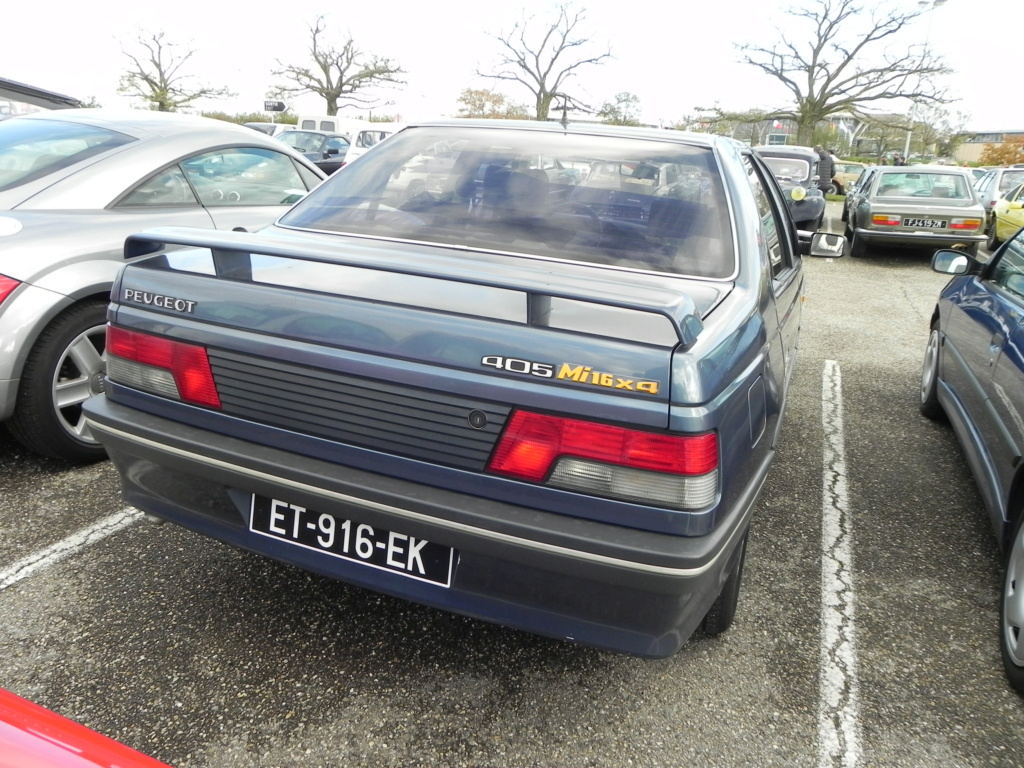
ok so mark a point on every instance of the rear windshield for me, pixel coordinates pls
(1010, 179)
(31, 149)
(619, 201)
(789, 168)
(916, 184)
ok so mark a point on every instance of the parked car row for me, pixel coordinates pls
(425, 349)
(330, 142)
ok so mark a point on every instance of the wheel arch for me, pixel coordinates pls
(42, 314)
(1014, 507)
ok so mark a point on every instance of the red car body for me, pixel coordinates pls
(32, 736)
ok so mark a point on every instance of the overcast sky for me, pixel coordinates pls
(673, 56)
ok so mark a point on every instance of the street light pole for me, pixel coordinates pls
(926, 5)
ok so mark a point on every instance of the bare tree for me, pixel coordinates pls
(540, 57)
(156, 76)
(837, 59)
(340, 76)
(488, 104)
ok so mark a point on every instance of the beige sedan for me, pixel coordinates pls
(845, 174)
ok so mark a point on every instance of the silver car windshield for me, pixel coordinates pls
(657, 206)
(32, 149)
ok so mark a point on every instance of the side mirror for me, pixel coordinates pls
(950, 262)
(331, 151)
(827, 245)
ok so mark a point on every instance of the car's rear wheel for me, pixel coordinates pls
(65, 367)
(1011, 610)
(993, 239)
(858, 247)
(930, 405)
(722, 612)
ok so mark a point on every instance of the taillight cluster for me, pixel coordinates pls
(885, 220)
(674, 471)
(161, 366)
(965, 224)
(7, 286)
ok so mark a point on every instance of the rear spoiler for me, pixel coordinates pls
(232, 252)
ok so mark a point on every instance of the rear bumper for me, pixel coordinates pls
(604, 585)
(919, 238)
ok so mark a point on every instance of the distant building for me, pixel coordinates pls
(974, 145)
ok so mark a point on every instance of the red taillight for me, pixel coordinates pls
(7, 286)
(965, 224)
(533, 442)
(188, 364)
(881, 219)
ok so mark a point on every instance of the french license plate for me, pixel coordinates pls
(350, 540)
(925, 223)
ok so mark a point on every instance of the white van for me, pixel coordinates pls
(331, 123)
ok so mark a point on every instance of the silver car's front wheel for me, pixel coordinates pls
(65, 368)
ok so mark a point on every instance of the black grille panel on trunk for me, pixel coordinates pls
(387, 417)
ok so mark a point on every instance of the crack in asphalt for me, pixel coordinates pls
(839, 719)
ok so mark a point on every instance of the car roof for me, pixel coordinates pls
(320, 133)
(783, 150)
(596, 129)
(141, 123)
(37, 97)
(923, 169)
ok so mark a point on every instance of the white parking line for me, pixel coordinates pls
(73, 544)
(838, 709)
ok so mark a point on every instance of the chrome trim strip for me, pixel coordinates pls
(505, 538)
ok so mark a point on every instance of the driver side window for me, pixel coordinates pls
(248, 176)
(168, 188)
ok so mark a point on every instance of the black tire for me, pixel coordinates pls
(845, 215)
(993, 240)
(66, 362)
(858, 248)
(1011, 610)
(832, 189)
(930, 405)
(722, 612)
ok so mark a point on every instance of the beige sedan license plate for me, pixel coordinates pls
(925, 223)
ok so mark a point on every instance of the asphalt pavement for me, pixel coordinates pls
(208, 657)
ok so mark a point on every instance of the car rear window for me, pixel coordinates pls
(1010, 179)
(917, 184)
(629, 202)
(32, 149)
(789, 168)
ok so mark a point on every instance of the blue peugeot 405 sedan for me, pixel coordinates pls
(974, 375)
(540, 384)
